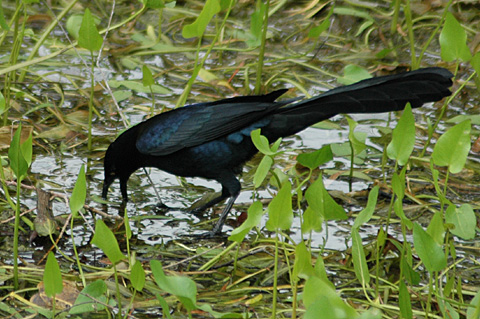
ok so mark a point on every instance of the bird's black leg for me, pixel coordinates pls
(223, 217)
(210, 203)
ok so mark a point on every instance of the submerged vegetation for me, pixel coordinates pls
(357, 226)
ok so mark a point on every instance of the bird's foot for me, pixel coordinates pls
(162, 208)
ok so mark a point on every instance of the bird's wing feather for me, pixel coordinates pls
(196, 124)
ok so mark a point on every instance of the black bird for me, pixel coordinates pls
(212, 140)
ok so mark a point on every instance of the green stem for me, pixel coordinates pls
(90, 102)
(261, 55)
(275, 280)
(15, 236)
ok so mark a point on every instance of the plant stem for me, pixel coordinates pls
(258, 83)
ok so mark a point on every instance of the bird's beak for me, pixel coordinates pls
(106, 184)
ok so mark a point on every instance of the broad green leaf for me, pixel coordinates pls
(475, 62)
(106, 241)
(352, 74)
(165, 307)
(319, 200)
(452, 147)
(280, 213)
(430, 253)
(17, 161)
(315, 159)
(367, 213)
(398, 184)
(474, 311)
(358, 258)
(403, 137)
(88, 36)
(137, 276)
(182, 287)
(255, 213)
(463, 219)
(92, 298)
(315, 32)
(52, 277)
(139, 87)
(147, 79)
(436, 228)
(154, 4)
(262, 170)
(2, 98)
(312, 221)
(3, 23)
(26, 148)
(447, 310)
(398, 208)
(79, 193)
(197, 28)
(262, 143)
(404, 301)
(256, 26)
(302, 267)
(474, 118)
(357, 139)
(215, 314)
(322, 301)
(453, 41)
(412, 277)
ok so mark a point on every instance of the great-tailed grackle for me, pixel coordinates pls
(212, 140)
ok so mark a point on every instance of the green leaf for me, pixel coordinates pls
(367, 213)
(280, 213)
(404, 301)
(319, 200)
(357, 140)
(403, 137)
(312, 220)
(197, 28)
(155, 4)
(261, 143)
(315, 159)
(79, 193)
(88, 36)
(91, 298)
(262, 170)
(106, 241)
(2, 98)
(302, 267)
(17, 161)
(428, 250)
(165, 307)
(3, 23)
(453, 41)
(137, 276)
(182, 287)
(452, 147)
(139, 87)
(398, 208)
(358, 258)
(147, 76)
(463, 219)
(352, 74)
(52, 277)
(436, 228)
(256, 26)
(255, 213)
(26, 148)
(473, 312)
(315, 32)
(322, 301)
(398, 184)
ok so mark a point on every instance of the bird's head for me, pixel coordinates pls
(121, 160)
(110, 169)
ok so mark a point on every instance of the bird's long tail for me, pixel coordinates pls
(375, 95)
